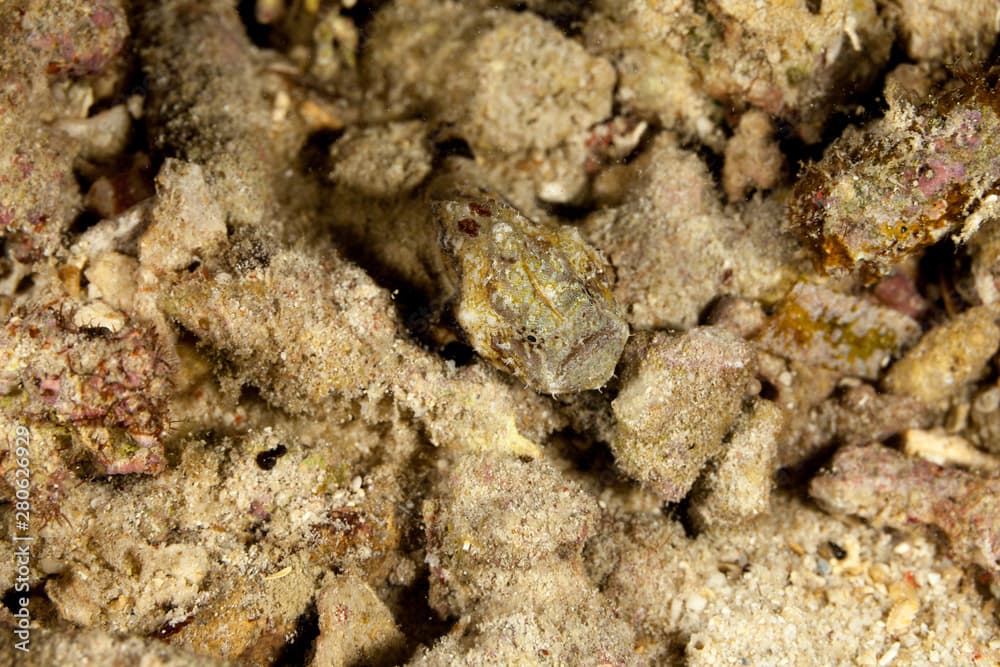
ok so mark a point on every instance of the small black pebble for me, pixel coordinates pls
(268, 459)
(838, 551)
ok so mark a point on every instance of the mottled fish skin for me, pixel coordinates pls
(534, 300)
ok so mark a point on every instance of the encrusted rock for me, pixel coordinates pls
(108, 380)
(947, 358)
(680, 395)
(738, 486)
(888, 488)
(817, 325)
(904, 182)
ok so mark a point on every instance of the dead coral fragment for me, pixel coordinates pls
(679, 397)
(186, 220)
(675, 249)
(862, 415)
(534, 301)
(44, 42)
(74, 38)
(940, 447)
(355, 626)
(494, 515)
(207, 105)
(330, 334)
(382, 161)
(902, 183)
(947, 358)
(738, 487)
(843, 333)
(753, 158)
(884, 486)
(110, 388)
(333, 340)
(504, 81)
(675, 57)
(948, 30)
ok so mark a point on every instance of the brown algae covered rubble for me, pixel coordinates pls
(381, 332)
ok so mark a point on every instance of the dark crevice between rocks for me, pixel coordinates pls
(297, 651)
(25, 284)
(863, 107)
(681, 513)
(262, 35)
(314, 158)
(940, 280)
(446, 147)
(423, 625)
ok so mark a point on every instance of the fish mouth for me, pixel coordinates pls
(591, 362)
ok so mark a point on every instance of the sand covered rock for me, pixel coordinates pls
(550, 615)
(753, 158)
(219, 119)
(821, 589)
(888, 488)
(496, 517)
(680, 395)
(355, 626)
(382, 161)
(504, 544)
(105, 648)
(738, 486)
(470, 66)
(947, 358)
(56, 50)
(675, 249)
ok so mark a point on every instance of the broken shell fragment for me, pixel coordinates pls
(534, 301)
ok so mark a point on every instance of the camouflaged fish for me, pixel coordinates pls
(533, 300)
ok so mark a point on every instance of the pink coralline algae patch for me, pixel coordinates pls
(110, 389)
(937, 175)
(6, 216)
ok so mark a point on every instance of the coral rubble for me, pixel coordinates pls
(430, 332)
